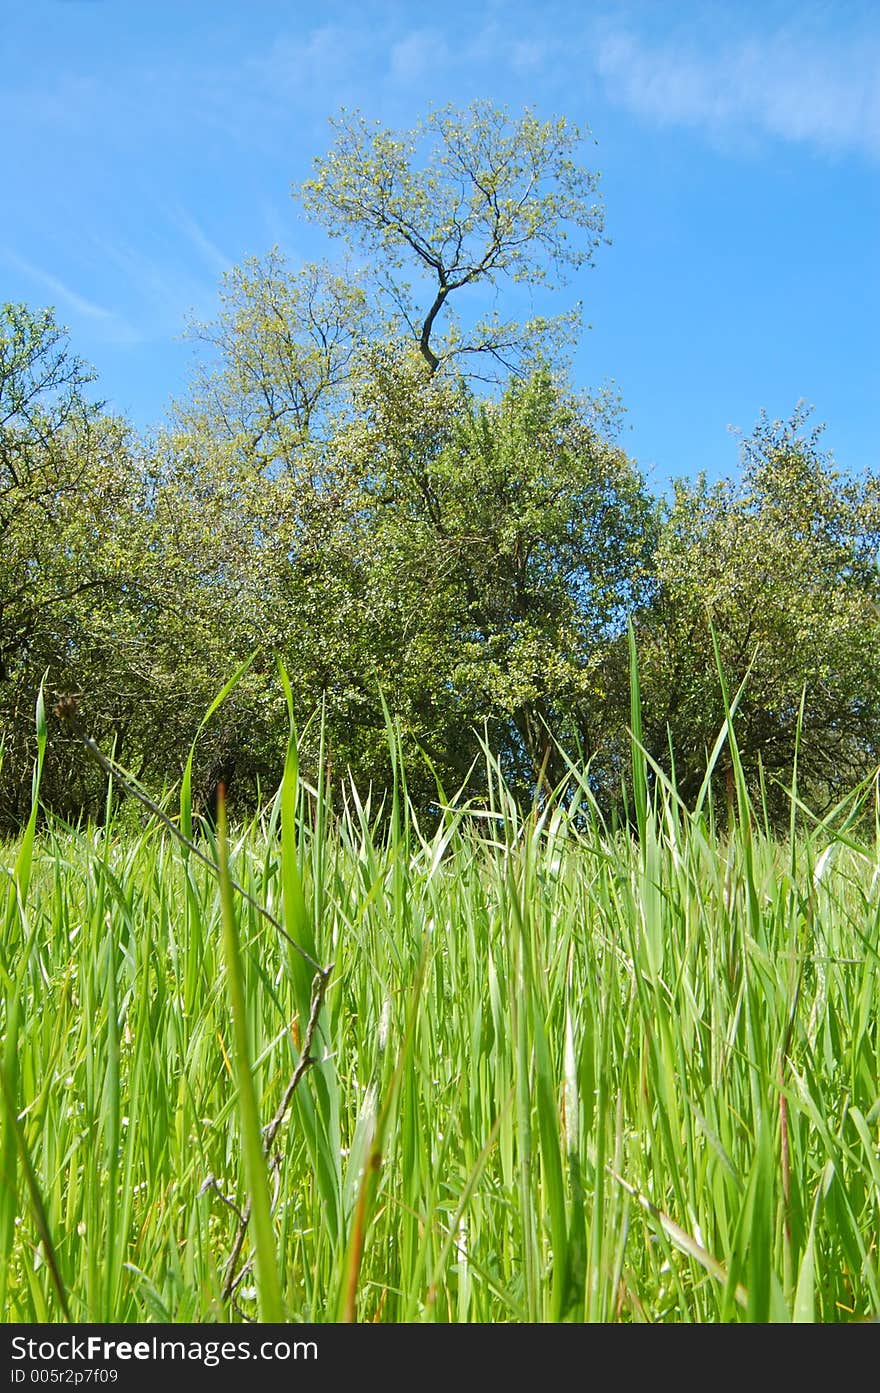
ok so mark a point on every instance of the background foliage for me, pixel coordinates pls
(414, 507)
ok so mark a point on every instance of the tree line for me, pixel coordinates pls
(413, 508)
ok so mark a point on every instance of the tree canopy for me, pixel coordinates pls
(781, 566)
(466, 197)
(338, 489)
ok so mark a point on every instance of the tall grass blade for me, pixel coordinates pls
(268, 1282)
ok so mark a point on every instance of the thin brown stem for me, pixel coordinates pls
(231, 1278)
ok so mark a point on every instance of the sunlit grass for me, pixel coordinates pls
(564, 1072)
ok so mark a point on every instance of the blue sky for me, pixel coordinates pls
(148, 146)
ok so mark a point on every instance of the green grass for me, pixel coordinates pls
(562, 1072)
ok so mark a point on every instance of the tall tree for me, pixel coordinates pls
(281, 355)
(69, 495)
(467, 197)
(506, 542)
(782, 565)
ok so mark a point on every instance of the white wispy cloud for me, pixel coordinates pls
(529, 55)
(418, 53)
(211, 254)
(164, 292)
(295, 66)
(823, 94)
(111, 326)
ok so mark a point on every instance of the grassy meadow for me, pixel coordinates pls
(562, 1071)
